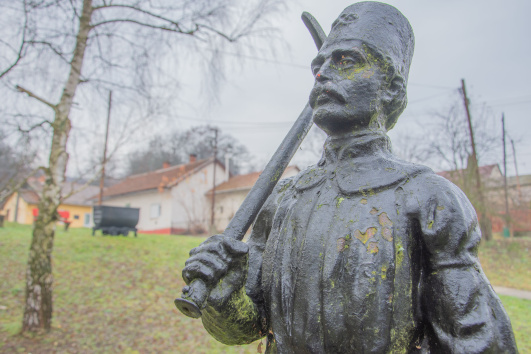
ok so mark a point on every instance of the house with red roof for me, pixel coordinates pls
(172, 200)
(230, 195)
(76, 209)
(491, 176)
(519, 195)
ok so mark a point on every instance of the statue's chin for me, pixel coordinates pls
(336, 122)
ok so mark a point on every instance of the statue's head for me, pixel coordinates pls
(361, 70)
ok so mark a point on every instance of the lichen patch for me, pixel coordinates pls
(372, 247)
(365, 236)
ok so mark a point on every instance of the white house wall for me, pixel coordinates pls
(226, 206)
(144, 201)
(190, 207)
(229, 201)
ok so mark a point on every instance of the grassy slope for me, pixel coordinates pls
(115, 294)
(507, 263)
(112, 294)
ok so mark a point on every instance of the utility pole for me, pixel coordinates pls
(471, 132)
(214, 181)
(104, 162)
(517, 175)
(507, 214)
(485, 226)
(227, 169)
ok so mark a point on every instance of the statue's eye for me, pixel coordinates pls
(349, 59)
(345, 61)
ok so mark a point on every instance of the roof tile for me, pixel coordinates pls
(158, 179)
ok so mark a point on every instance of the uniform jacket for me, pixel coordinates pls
(365, 253)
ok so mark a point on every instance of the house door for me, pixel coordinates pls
(86, 220)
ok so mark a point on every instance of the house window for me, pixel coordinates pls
(76, 217)
(154, 211)
(86, 220)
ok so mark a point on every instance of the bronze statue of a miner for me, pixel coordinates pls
(363, 252)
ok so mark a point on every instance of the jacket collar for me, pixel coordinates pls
(360, 164)
(368, 145)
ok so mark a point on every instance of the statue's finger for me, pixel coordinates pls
(209, 260)
(197, 270)
(235, 247)
(212, 244)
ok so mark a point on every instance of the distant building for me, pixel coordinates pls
(520, 190)
(22, 206)
(519, 195)
(491, 177)
(171, 200)
(230, 195)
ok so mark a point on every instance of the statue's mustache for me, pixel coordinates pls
(328, 89)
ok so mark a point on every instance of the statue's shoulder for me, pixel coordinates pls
(429, 188)
(425, 179)
(311, 176)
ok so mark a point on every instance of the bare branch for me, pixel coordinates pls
(15, 63)
(219, 33)
(31, 94)
(11, 186)
(74, 9)
(55, 50)
(145, 12)
(33, 127)
(159, 27)
(20, 53)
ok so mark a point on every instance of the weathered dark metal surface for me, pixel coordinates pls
(362, 252)
(194, 295)
(115, 220)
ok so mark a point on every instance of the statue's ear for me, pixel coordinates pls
(394, 100)
(393, 91)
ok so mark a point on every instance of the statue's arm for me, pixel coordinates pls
(234, 313)
(462, 312)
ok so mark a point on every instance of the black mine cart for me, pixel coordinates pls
(115, 221)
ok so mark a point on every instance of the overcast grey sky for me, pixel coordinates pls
(486, 42)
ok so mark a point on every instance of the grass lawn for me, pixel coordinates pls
(115, 294)
(507, 263)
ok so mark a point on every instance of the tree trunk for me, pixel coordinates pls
(39, 279)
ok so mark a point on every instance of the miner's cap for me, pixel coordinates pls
(382, 27)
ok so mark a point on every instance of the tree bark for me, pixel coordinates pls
(39, 279)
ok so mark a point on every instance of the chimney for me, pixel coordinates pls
(166, 164)
(227, 164)
(193, 158)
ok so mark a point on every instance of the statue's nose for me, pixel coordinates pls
(324, 73)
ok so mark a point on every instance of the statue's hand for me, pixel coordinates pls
(218, 259)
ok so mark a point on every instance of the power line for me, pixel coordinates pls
(307, 67)
(265, 60)
(431, 86)
(250, 124)
(527, 97)
(428, 97)
(511, 103)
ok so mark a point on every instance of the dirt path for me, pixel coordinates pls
(522, 294)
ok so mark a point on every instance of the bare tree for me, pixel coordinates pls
(15, 165)
(443, 142)
(81, 48)
(176, 147)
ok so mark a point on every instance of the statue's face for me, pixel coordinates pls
(346, 96)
